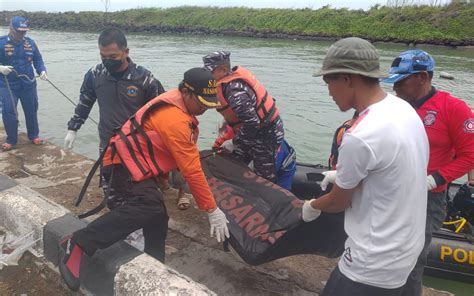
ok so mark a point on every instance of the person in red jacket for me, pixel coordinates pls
(449, 125)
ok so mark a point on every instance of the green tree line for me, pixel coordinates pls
(447, 25)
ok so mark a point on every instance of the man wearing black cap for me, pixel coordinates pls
(159, 138)
(17, 55)
(251, 111)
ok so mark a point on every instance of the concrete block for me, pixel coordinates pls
(56, 229)
(139, 277)
(23, 210)
(98, 271)
(6, 182)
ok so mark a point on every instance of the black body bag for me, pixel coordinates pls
(264, 219)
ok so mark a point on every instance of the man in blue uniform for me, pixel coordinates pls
(18, 54)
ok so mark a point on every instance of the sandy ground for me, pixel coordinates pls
(58, 175)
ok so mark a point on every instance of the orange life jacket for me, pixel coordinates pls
(266, 108)
(337, 140)
(143, 152)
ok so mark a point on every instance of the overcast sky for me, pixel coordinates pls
(81, 5)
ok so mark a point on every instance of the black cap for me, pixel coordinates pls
(215, 59)
(201, 82)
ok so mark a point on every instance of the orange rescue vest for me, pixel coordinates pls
(266, 108)
(143, 152)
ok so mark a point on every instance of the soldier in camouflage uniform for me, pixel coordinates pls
(251, 111)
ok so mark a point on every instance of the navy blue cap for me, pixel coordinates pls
(19, 23)
(410, 62)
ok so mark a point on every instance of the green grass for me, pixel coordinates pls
(452, 24)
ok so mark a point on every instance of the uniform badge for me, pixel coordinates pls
(132, 91)
(430, 118)
(469, 126)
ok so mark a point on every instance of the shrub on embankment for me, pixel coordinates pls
(448, 25)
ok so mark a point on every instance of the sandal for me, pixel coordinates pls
(37, 141)
(7, 146)
(183, 202)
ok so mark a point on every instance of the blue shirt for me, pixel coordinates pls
(22, 56)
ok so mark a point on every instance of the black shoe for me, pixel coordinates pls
(69, 263)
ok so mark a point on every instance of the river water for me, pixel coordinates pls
(284, 67)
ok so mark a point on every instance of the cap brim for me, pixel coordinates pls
(209, 102)
(22, 29)
(373, 74)
(394, 78)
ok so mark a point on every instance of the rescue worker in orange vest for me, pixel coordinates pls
(251, 111)
(159, 138)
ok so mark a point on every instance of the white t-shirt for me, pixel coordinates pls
(386, 154)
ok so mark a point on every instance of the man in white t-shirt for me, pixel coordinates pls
(380, 177)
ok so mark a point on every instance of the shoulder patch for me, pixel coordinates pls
(469, 126)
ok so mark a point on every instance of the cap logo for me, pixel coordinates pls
(212, 83)
(209, 91)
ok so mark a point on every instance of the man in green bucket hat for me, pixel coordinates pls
(385, 149)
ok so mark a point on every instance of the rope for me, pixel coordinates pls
(11, 98)
(72, 102)
(26, 77)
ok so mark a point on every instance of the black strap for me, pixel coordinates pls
(133, 134)
(90, 176)
(149, 145)
(124, 138)
(267, 114)
(103, 203)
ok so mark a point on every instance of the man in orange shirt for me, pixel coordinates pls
(159, 138)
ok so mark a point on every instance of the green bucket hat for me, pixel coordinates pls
(352, 55)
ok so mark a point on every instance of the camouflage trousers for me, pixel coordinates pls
(261, 150)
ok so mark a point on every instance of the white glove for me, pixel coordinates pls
(431, 183)
(43, 75)
(228, 145)
(69, 140)
(218, 223)
(309, 213)
(329, 177)
(5, 70)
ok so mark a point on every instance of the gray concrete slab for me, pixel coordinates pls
(6, 182)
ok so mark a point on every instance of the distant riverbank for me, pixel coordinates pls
(450, 25)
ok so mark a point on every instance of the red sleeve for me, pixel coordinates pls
(461, 130)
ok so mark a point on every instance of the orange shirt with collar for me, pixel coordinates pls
(174, 127)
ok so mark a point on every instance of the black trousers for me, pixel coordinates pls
(435, 215)
(340, 285)
(143, 207)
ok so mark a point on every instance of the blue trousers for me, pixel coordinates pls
(29, 102)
